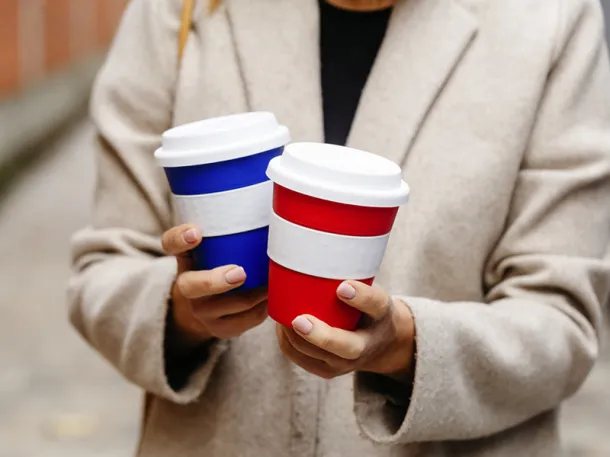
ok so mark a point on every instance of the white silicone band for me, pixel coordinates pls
(324, 255)
(226, 213)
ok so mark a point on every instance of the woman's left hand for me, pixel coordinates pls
(384, 342)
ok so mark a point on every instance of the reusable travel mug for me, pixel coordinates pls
(216, 172)
(333, 210)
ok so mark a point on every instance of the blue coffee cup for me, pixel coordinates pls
(216, 169)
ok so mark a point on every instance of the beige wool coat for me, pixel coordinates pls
(498, 112)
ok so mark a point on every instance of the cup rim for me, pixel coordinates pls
(228, 142)
(319, 183)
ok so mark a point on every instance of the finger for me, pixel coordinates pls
(235, 325)
(185, 263)
(344, 344)
(221, 306)
(314, 366)
(180, 239)
(308, 349)
(197, 284)
(372, 301)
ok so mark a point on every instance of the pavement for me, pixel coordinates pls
(57, 397)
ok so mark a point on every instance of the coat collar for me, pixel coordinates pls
(277, 49)
(277, 46)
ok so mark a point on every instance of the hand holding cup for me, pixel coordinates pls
(384, 342)
(201, 309)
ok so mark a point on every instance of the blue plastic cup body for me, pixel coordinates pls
(246, 249)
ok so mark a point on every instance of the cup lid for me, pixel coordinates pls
(221, 138)
(339, 174)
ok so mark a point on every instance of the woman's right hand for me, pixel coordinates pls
(201, 310)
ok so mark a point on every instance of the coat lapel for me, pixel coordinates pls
(277, 50)
(424, 42)
(277, 45)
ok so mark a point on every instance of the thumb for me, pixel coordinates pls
(372, 301)
(179, 241)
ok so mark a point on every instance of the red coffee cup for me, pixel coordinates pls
(333, 210)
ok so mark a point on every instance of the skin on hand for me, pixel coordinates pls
(201, 309)
(383, 344)
(362, 5)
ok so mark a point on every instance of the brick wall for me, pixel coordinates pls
(40, 37)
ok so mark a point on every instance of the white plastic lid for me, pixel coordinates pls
(339, 174)
(221, 138)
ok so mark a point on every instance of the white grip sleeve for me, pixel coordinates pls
(322, 254)
(225, 213)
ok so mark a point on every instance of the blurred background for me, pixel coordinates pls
(58, 398)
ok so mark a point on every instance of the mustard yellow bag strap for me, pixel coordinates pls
(185, 26)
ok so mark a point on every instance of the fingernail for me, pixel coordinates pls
(346, 291)
(302, 325)
(235, 275)
(190, 236)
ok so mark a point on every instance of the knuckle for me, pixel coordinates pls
(166, 242)
(207, 283)
(184, 285)
(353, 353)
(368, 295)
(385, 304)
(174, 237)
(377, 302)
(324, 341)
(177, 243)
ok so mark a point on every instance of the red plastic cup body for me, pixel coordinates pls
(291, 293)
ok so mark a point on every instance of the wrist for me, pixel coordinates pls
(184, 332)
(183, 352)
(403, 360)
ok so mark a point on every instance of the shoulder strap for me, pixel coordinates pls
(185, 25)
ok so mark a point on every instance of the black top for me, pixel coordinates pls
(349, 42)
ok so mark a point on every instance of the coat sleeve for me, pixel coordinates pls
(482, 368)
(118, 295)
